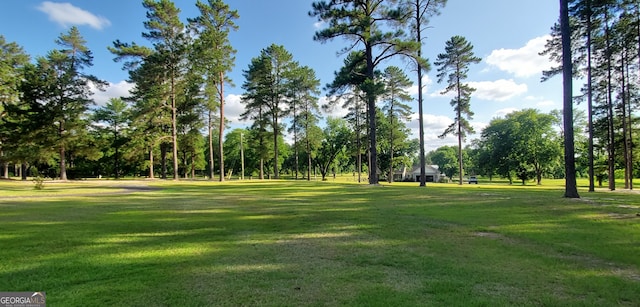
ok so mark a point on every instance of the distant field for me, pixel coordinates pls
(292, 243)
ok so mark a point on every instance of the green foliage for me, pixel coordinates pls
(269, 79)
(524, 143)
(368, 24)
(337, 137)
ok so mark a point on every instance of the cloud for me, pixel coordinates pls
(233, 108)
(523, 62)
(426, 83)
(113, 90)
(337, 111)
(499, 90)
(66, 14)
(503, 112)
(319, 24)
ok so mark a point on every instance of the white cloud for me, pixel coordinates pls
(522, 62)
(503, 112)
(319, 25)
(426, 83)
(546, 103)
(66, 14)
(233, 108)
(499, 90)
(541, 102)
(113, 90)
(337, 111)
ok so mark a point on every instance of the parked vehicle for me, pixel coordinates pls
(473, 179)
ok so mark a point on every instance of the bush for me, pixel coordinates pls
(39, 182)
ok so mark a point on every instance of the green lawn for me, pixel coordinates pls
(286, 243)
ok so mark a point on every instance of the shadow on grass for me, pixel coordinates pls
(293, 243)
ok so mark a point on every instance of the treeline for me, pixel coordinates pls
(173, 121)
(605, 48)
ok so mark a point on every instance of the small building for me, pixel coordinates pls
(432, 174)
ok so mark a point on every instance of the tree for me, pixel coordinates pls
(115, 117)
(421, 11)
(394, 96)
(67, 96)
(571, 190)
(268, 79)
(336, 139)
(454, 66)
(234, 146)
(523, 143)
(214, 58)
(347, 89)
(305, 111)
(368, 23)
(162, 67)
(12, 60)
(446, 159)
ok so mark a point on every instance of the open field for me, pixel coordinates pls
(286, 243)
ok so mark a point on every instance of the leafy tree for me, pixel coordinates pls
(397, 111)
(214, 59)
(446, 159)
(523, 143)
(368, 23)
(454, 66)
(336, 139)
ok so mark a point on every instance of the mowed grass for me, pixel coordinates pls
(286, 243)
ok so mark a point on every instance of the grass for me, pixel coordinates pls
(284, 243)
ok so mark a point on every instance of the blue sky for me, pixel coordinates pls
(506, 34)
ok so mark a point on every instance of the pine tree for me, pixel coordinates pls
(454, 66)
(395, 95)
(367, 23)
(421, 11)
(214, 58)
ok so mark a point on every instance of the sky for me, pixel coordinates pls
(506, 34)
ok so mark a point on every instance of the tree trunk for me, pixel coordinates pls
(611, 131)
(210, 126)
(590, 99)
(625, 141)
(63, 164)
(5, 167)
(571, 190)
(163, 160)
(418, 21)
(151, 174)
(390, 179)
(174, 126)
(276, 131)
(221, 128)
(371, 109)
(459, 115)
